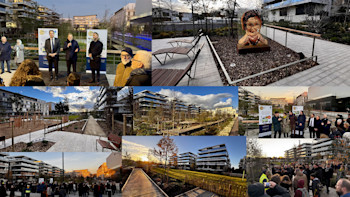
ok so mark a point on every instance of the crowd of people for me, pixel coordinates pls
(295, 125)
(301, 178)
(85, 189)
(133, 70)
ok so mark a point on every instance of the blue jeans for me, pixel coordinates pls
(3, 65)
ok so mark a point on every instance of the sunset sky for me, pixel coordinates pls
(138, 146)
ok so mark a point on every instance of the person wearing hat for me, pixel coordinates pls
(124, 67)
(95, 51)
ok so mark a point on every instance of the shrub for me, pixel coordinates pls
(29, 144)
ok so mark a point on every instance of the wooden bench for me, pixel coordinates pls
(175, 50)
(113, 143)
(171, 77)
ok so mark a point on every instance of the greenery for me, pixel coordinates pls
(219, 184)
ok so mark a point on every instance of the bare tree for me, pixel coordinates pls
(166, 149)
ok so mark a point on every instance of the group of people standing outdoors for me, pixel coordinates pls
(66, 189)
(295, 125)
(302, 178)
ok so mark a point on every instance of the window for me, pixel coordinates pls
(283, 12)
(300, 10)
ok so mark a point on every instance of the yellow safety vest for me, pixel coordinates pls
(27, 190)
(262, 178)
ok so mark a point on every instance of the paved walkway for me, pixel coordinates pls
(93, 128)
(74, 142)
(204, 70)
(334, 60)
(33, 136)
(138, 184)
(196, 192)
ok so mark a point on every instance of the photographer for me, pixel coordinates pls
(258, 190)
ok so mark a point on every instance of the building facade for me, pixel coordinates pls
(186, 161)
(213, 159)
(302, 99)
(4, 14)
(4, 165)
(329, 99)
(122, 17)
(82, 23)
(24, 168)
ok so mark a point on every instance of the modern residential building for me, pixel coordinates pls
(213, 159)
(291, 153)
(162, 14)
(146, 100)
(4, 12)
(115, 99)
(143, 13)
(302, 99)
(82, 173)
(104, 172)
(247, 96)
(48, 16)
(82, 23)
(304, 151)
(296, 10)
(24, 168)
(4, 165)
(322, 148)
(122, 17)
(11, 102)
(329, 99)
(23, 8)
(186, 161)
(279, 102)
(225, 110)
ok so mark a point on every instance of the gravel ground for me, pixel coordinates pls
(249, 64)
(35, 147)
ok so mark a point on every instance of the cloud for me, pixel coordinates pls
(135, 150)
(209, 101)
(82, 97)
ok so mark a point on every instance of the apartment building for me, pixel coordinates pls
(48, 16)
(322, 148)
(122, 17)
(116, 99)
(213, 159)
(4, 11)
(24, 168)
(4, 165)
(186, 161)
(12, 103)
(83, 23)
(329, 99)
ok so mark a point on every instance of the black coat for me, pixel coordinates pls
(5, 51)
(328, 174)
(96, 48)
(70, 51)
(56, 48)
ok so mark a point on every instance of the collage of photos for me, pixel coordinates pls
(175, 98)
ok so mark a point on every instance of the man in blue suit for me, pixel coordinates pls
(52, 48)
(71, 47)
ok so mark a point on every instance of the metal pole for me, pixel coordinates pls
(313, 46)
(286, 39)
(13, 140)
(274, 34)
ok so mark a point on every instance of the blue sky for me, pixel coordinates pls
(207, 97)
(138, 146)
(72, 161)
(70, 8)
(78, 96)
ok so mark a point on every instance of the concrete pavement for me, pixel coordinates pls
(93, 128)
(204, 70)
(139, 185)
(334, 60)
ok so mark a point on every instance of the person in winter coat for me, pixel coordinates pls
(95, 51)
(276, 121)
(292, 119)
(301, 122)
(5, 54)
(258, 190)
(328, 174)
(19, 52)
(315, 185)
(286, 125)
(299, 176)
(301, 191)
(71, 47)
(318, 127)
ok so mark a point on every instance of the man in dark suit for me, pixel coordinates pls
(52, 48)
(95, 51)
(312, 126)
(71, 47)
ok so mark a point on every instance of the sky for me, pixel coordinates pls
(269, 149)
(206, 97)
(78, 96)
(72, 160)
(180, 6)
(138, 146)
(278, 92)
(70, 8)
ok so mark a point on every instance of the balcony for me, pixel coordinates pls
(211, 163)
(212, 150)
(4, 3)
(223, 153)
(213, 159)
(289, 3)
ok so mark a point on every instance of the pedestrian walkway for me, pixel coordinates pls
(33, 136)
(93, 128)
(334, 60)
(197, 192)
(74, 142)
(138, 184)
(204, 70)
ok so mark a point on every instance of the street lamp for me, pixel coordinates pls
(12, 119)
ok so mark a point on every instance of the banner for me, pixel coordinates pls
(103, 34)
(43, 35)
(265, 120)
(297, 109)
(265, 114)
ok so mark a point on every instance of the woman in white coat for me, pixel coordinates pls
(19, 52)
